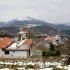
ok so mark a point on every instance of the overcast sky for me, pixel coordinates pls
(54, 11)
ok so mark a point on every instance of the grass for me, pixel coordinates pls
(57, 68)
(52, 58)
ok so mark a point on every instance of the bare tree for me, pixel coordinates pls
(30, 33)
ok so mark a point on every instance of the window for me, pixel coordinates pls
(6, 52)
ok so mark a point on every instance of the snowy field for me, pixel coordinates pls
(42, 66)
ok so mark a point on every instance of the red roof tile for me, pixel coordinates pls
(40, 39)
(5, 42)
(52, 38)
(28, 42)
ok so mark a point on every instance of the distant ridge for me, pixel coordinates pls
(67, 24)
(18, 22)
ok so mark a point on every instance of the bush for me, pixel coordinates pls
(57, 53)
(51, 53)
(29, 66)
(52, 47)
(44, 54)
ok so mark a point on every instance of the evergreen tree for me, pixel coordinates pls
(57, 53)
(44, 54)
(52, 47)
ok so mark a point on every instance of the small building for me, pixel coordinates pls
(42, 41)
(40, 45)
(12, 49)
(56, 40)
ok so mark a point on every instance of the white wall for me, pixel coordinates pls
(18, 54)
(1, 53)
(22, 54)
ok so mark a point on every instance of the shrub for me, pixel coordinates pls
(29, 66)
(48, 53)
(51, 53)
(44, 54)
(52, 47)
(57, 53)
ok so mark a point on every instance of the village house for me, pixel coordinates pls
(40, 45)
(43, 43)
(10, 48)
(20, 47)
(56, 40)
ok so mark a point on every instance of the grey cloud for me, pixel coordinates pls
(48, 10)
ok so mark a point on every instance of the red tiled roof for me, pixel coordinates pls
(40, 39)
(28, 42)
(52, 38)
(5, 42)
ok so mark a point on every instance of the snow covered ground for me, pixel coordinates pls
(40, 64)
(22, 68)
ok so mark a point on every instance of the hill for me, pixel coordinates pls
(9, 30)
(22, 23)
(61, 27)
(43, 27)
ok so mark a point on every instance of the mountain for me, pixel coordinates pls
(45, 27)
(46, 30)
(22, 22)
(28, 20)
(67, 24)
(9, 30)
(62, 27)
(2, 24)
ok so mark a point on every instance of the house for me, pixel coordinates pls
(42, 41)
(56, 40)
(11, 48)
(40, 44)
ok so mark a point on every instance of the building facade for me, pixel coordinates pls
(12, 49)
